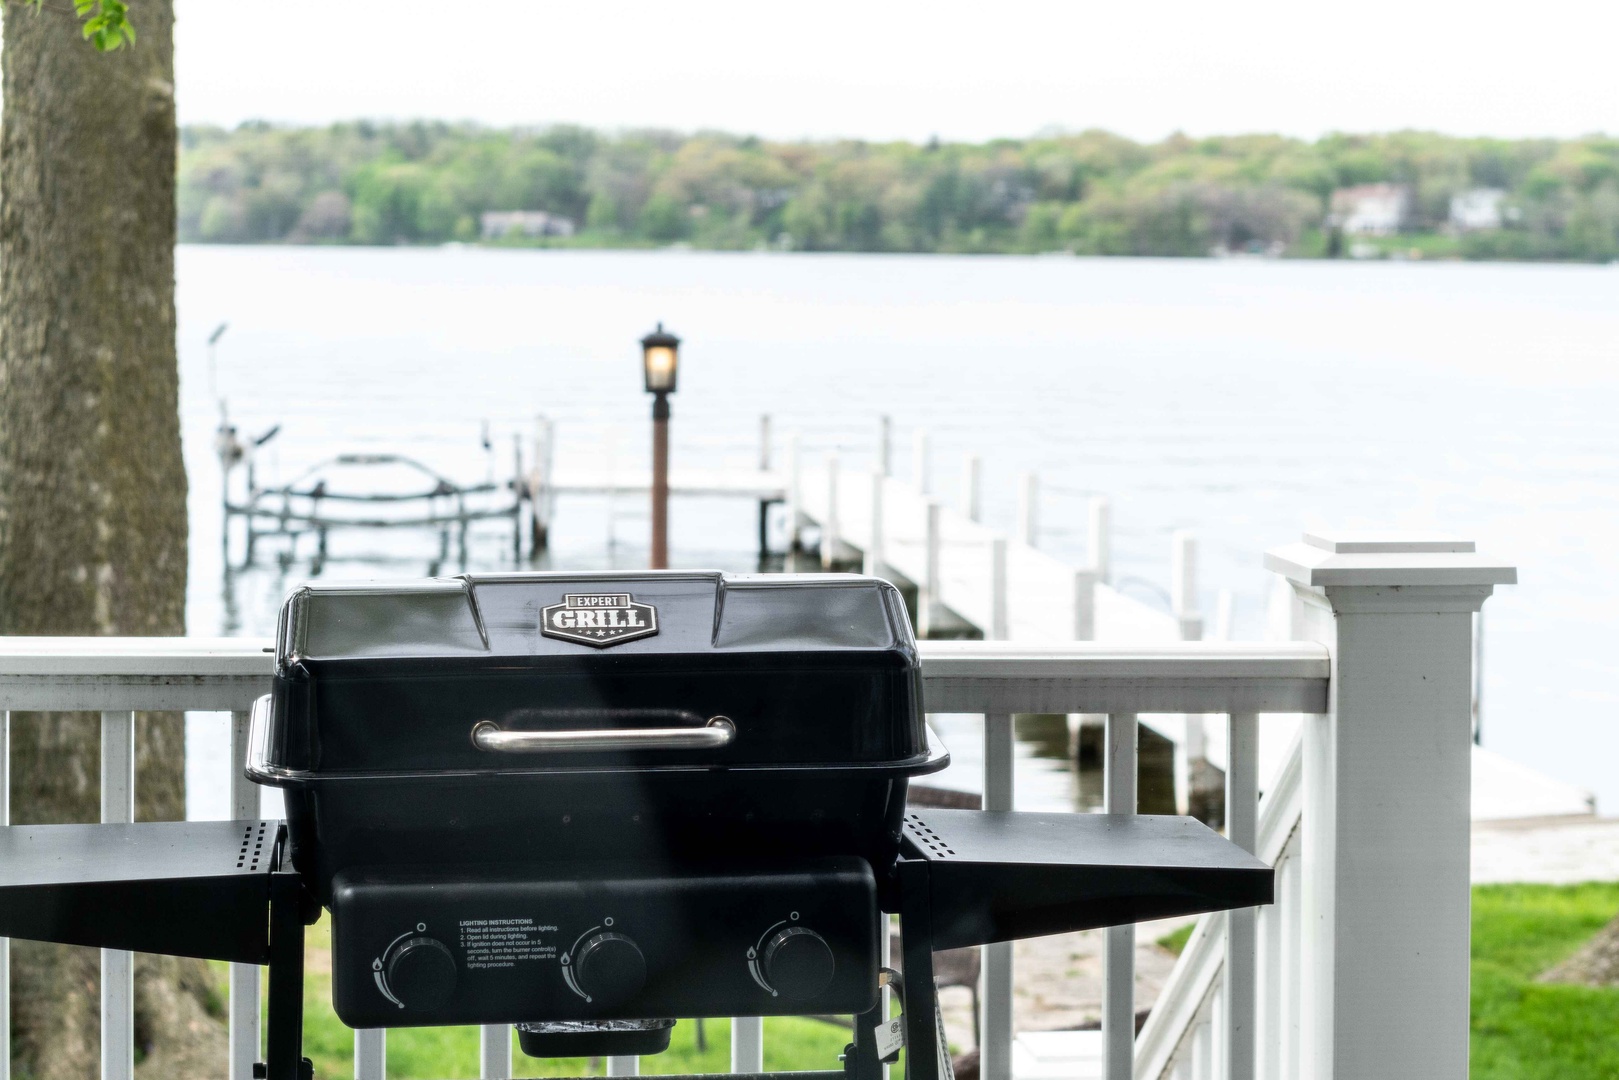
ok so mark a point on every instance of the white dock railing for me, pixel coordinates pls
(1367, 825)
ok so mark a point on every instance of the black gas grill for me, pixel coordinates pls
(590, 805)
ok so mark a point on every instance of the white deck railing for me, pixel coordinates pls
(1362, 823)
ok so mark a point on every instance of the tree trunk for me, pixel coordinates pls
(92, 485)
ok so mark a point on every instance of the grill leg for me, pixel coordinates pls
(860, 1062)
(926, 1055)
(285, 1031)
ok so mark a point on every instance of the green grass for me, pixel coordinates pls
(1175, 941)
(1522, 1030)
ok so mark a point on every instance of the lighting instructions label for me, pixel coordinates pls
(504, 943)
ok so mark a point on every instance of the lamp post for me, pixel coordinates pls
(660, 356)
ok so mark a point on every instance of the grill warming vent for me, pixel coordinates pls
(922, 834)
(252, 850)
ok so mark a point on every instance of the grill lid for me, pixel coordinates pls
(534, 672)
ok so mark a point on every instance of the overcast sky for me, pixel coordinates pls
(883, 69)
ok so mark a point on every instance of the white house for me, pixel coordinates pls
(1371, 209)
(1477, 209)
(498, 224)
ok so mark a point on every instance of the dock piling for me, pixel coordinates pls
(795, 539)
(1028, 510)
(1183, 584)
(999, 628)
(1101, 523)
(874, 541)
(927, 601)
(1085, 604)
(921, 473)
(829, 527)
(971, 473)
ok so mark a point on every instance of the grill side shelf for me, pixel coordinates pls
(181, 888)
(998, 876)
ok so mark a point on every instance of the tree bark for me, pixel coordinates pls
(92, 484)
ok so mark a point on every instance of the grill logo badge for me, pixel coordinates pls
(599, 619)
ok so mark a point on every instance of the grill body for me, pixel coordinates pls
(483, 776)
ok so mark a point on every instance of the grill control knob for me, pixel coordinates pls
(610, 968)
(798, 963)
(420, 972)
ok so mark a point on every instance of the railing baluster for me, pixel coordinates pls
(244, 978)
(495, 1051)
(996, 1025)
(1289, 898)
(747, 1044)
(5, 943)
(1202, 1052)
(370, 1053)
(1119, 960)
(1242, 829)
(1268, 1002)
(117, 966)
(623, 1066)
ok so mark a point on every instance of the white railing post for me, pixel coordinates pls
(921, 465)
(1028, 509)
(764, 442)
(5, 943)
(972, 469)
(747, 1044)
(1385, 822)
(874, 541)
(1119, 958)
(1242, 942)
(829, 521)
(999, 628)
(370, 1054)
(495, 1052)
(117, 966)
(795, 499)
(244, 978)
(928, 602)
(995, 1026)
(1101, 538)
(885, 446)
(623, 1066)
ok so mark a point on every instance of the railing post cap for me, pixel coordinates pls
(1327, 559)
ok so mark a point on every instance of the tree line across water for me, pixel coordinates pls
(1090, 193)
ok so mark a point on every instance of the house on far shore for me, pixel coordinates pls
(1371, 209)
(1477, 209)
(499, 224)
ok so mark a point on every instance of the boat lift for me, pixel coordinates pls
(352, 491)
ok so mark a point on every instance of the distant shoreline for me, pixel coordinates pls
(687, 249)
(1414, 195)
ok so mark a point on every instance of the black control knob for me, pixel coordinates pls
(610, 969)
(420, 972)
(798, 963)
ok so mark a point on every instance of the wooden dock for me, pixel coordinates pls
(970, 579)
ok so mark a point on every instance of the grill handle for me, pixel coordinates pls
(717, 733)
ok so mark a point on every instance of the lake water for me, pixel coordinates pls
(1246, 400)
